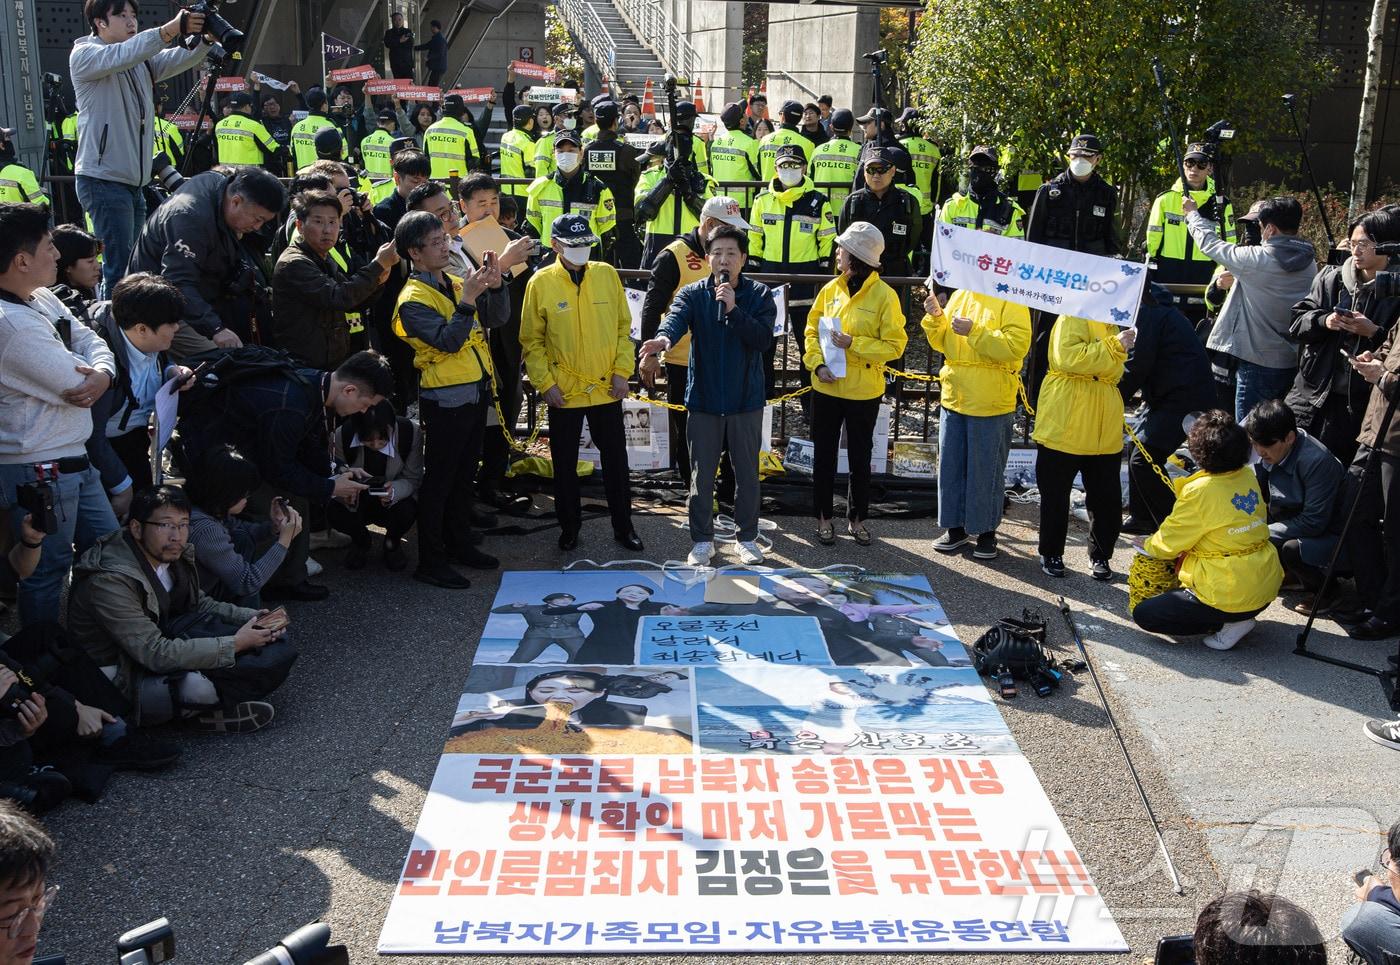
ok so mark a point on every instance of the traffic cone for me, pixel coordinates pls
(648, 101)
(607, 89)
(763, 88)
(700, 98)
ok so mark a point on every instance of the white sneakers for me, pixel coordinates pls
(750, 554)
(1229, 635)
(701, 554)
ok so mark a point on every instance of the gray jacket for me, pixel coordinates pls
(1269, 280)
(1304, 495)
(113, 84)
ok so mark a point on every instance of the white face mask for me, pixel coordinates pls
(569, 124)
(576, 257)
(567, 161)
(791, 177)
(1080, 166)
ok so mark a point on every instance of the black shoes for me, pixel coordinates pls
(1137, 527)
(475, 558)
(137, 752)
(305, 590)
(505, 502)
(40, 792)
(441, 575)
(394, 557)
(629, 541)
(1374, 629)
(568, 541)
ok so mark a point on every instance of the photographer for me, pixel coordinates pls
(114, 72)
(46, 392)
(1371, 928)
(390, 448)
(174, 651)
(671, 193)
(195, 239)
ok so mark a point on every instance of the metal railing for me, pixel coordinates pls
(659, 33)
(587, 27)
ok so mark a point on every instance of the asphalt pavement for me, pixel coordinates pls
(1253, 760)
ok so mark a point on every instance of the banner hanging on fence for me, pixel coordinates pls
(794, 762)
(1050, 279)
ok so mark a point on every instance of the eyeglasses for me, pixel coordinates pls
(1361, 247)
(170, 529)
(1193, 163)
(878, 169)
(789, 167)
(15, 926)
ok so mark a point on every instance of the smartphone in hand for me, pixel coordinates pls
(274, 620)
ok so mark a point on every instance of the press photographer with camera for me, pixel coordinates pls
(195, 239)
(1371, 927)
(47, 390)
(114, 72)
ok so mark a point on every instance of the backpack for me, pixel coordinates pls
(225, 368)
(1014, 649)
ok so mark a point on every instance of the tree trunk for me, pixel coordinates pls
(1365, 129)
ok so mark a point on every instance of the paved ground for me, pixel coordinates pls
(1253, 759)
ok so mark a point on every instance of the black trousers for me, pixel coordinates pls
(74, 677)
(254, 675)
(1291, 557)
(605, 424)
(451, 451)
(829, 413)
(1373, 541)
(1336, 426)
(397, 519)
(1179, 613)
(495, 451)
(628, 248)
(134, 450)
(1054, 474)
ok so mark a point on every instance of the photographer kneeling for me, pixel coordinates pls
(137, 609)
(1371, 928)
(389, 448)
(195, 239)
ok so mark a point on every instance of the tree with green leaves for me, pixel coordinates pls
(1030, 74)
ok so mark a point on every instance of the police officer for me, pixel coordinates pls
(1169, 244)
(589, 112)
(670, 193)
(734, 154)
(241, 140)
(834, 162)
(518, 150)
(375, 147)
(564, 120)
(793, 231)
(169, 141)
(892, 208)
(571, 190)
(877, 132)
(614, 163)
(17, 183)
(450, 142)
(984, 206)
(787, 133)
(923, 160)
(304, 131)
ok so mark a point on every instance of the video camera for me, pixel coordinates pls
(309, 945)
(1388, 282)
(877, 56)
(225, 33)
(163, 173)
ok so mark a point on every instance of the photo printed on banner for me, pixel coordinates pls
(573, 710)
(847, 710)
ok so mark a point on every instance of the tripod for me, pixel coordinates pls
(217, 64)
(1388, 678)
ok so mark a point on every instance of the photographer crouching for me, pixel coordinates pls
(114, 72)
(196, 240)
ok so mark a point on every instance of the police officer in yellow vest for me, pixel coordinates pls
(444, 319)
(791, 113)
(571, 190)
(169, 140)
(984, 206)
(304, 131)
(924, 157)
(675, 266)
(564, 120)
(834, 162)
(670, 193)
(518, 150)
(375, 147)
(17, 182)
(734, 155)
(450, 143)
(1169, 244)
(243, 141)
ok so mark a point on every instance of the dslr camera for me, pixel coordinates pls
(154, 942)
(228, 36)
(163, 172)
(36, 499)
(34, 676)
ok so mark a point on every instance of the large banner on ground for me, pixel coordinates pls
(802, 762)
(1051, 279)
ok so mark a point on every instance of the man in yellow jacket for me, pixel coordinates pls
(984, 340)
(1169, 244)
(575, 335)
(1079, 429)
(443, 318)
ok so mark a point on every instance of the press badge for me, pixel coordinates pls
(900, 229)
(1100, 211)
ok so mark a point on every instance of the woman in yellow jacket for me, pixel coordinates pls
(1219, 531)
(867, 325)
(984, 340)
(1079, 428)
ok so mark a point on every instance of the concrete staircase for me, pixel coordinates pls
(635, 63)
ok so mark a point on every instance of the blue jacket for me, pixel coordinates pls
(1171, 367)
(726, 357)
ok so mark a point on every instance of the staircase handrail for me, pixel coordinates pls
(659, 33)
(587, 27)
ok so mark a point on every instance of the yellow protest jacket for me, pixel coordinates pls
(439, 368)
(981, 369)
(875, 322)
(1080, 410)
(1219, 522)
(584, 327)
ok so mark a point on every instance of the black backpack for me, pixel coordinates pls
(224, 368)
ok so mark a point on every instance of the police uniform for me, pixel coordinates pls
(673, 216)
(169, 141)
(242, 141)
(1170, 245)
(19, 186)
(517, 152)
(734, 156)
(580, 194)
(450, 144)
(768, 149)
(304, 134)
(375, 154)
(897, 217)
(991, 210)
(836, 161)
(613, 162)
(544, 146)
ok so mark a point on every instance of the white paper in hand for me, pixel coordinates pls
(635, 297)
(780, 303)
(832, 354)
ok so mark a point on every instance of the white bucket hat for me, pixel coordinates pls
(864, 241)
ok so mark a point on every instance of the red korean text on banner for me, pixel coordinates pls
(228, 84)
(473, 95)
(418, 93)
(349, 75)
(391, 86)
(538, 72)
(184, 122)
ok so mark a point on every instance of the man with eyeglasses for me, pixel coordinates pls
(26, 851)
(175, 652)
(894, 209)
(1371, 928)
(1179, 260)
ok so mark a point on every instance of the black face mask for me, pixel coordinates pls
(7, 153)
(982, 181)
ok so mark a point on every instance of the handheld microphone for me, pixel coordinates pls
(723, 280)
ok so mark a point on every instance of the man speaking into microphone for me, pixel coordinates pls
(730, 322)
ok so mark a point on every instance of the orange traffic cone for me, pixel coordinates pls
(607, 90)
(699, 98)
(648, 101)
(763, 88)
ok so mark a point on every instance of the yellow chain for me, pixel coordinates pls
(1161, 473)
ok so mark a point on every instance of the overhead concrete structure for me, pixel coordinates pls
(716, 31)
(815, 49)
